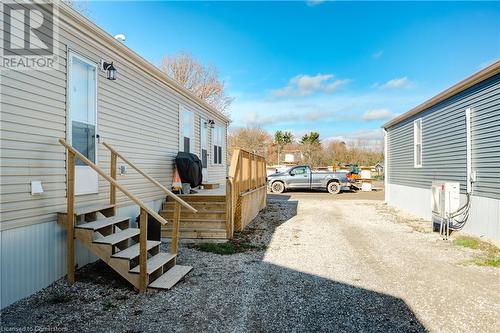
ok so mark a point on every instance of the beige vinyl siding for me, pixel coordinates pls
(138, 114)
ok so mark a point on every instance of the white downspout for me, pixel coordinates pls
(469, 176)
(386, 168)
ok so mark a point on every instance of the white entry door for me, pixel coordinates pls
(82, 127)
(204, 148)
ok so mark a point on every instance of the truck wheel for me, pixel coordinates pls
(278, 187)
(333, 187)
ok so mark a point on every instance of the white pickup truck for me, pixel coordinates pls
(302, 177)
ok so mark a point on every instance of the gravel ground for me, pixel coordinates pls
(322, 265)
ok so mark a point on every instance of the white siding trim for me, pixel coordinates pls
(417, 142)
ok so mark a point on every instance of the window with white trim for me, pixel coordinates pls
(218, 143)
(417, 143)
(186, 130)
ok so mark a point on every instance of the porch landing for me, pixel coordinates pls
(221, 190)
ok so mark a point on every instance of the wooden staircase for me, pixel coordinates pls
(208, 223)
(111, 238)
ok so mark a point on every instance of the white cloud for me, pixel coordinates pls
(401, 82)
(337, 110)
(305, 85)
(376, 114)
(378, 54)
(372, 138)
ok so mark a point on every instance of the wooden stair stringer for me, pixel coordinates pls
(105, 252)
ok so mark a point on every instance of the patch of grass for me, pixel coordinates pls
(488, 261)
(59, 298)
(476, 243)
(226, 248)
(108, 305)
(469, 242)
(490, 253)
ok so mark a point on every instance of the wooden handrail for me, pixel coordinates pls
(114, 182)
(151, 179)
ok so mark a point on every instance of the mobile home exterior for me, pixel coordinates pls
(144, 114)
(429, 143)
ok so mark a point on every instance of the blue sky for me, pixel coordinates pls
(340, 68)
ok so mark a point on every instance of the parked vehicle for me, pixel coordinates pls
(302, 177)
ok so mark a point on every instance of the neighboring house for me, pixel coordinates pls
(291, 157)
(144, 114)
(430, 143)
(379, 167)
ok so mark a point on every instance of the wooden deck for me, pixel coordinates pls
(217, 191)
(225, 209)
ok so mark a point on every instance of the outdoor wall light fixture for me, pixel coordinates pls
(211, 123)
(110, 70)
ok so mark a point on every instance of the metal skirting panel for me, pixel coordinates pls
(484, 218)
(413, 200)
(33, 257)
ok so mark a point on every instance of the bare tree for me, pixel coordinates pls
(358, 152)
(202, 80)
(255, 140)
(80, 6)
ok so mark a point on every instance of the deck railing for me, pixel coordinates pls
(72, 154)
(246, 173)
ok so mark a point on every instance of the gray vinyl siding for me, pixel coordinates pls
(138, 114)
(444, 142)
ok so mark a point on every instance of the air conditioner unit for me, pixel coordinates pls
(445, 198)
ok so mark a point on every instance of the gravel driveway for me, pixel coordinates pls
(322, 265)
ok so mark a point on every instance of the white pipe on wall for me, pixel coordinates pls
(386, 167)
(468, 149)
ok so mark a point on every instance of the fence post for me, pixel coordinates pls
(229, 207)
(143, 252)
(70, 217)
(112, 188)
(176, 228)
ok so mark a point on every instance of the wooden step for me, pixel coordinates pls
(208, 215)
(82, 210)
(202, 198)
(199, 222)
(171, 277)
(155, 262)
(197, 233)
(118, 236)
(205, 224)
(102, 222)
(200, 206)
(133, 251)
